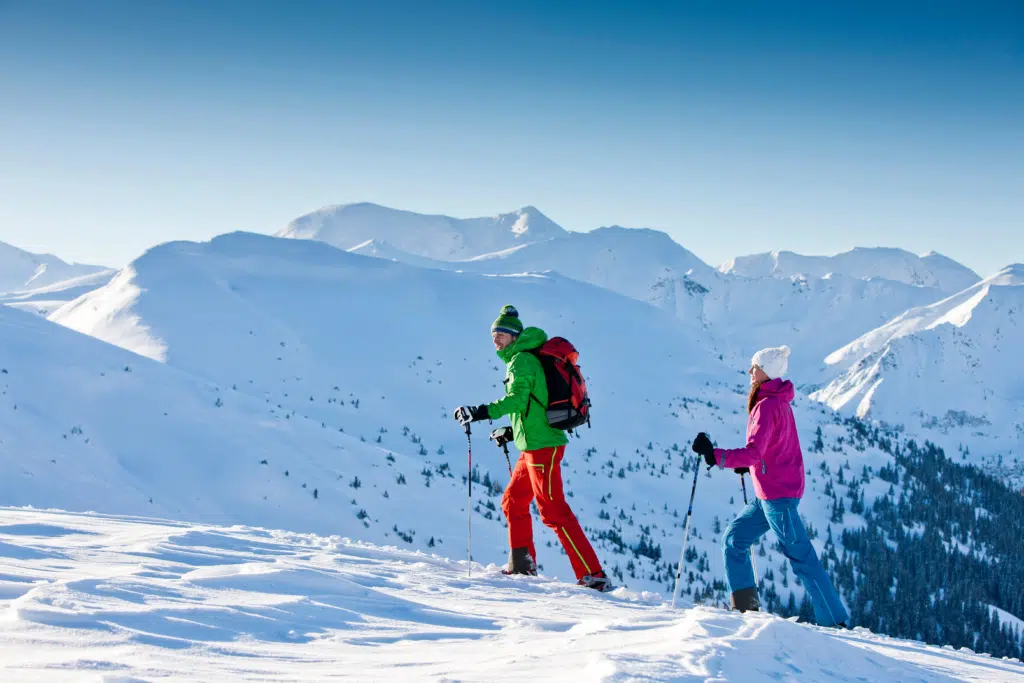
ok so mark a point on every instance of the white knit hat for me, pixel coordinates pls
(774, 361)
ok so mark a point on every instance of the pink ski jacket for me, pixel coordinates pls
(773, 448)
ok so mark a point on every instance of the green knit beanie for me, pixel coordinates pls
(508, 322)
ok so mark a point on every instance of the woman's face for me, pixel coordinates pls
(757, 375)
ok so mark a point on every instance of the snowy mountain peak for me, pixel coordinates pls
(945, 365)
(930, 270)
(1012, 275)
(956, 310)
(21, 270)
(530, 221)
(431, 236)
(531, 210)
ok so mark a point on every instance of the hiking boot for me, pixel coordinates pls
(745, 600)
(599, 581)
(520, 561)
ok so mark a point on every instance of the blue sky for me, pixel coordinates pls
(735, 126)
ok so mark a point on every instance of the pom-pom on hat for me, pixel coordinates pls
(508, 322)
(774, 361)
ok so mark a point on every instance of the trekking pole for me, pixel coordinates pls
(686, 533)
(504, 447)
(469, 502)
(753, 559)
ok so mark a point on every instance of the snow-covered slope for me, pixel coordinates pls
(436, 237)
(632, 262)
(21, 270)
(85, 425)
(927, 270)
(115, 599)
(47, 299)
(383, 250)
(281, 314)
(951, 366)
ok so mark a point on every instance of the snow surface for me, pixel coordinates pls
(88, 597)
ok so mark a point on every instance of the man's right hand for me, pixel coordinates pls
(466, 414)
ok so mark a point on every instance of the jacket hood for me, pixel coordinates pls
(779, 388)
(531, 338)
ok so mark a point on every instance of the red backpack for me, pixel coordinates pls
(568, 404)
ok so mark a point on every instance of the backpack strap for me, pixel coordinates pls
(530, 402)
(533, 397)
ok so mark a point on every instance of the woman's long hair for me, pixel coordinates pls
(752, 397)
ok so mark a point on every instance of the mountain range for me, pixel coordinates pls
(821, 306)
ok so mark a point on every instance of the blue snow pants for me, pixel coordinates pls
(780, 516)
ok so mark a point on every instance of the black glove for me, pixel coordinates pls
(466, 414)
(501, 436)
(742, 470)
(702, 446)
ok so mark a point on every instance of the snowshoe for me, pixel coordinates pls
(599, 581)
(520, 561)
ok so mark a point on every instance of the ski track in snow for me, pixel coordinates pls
(86, 597)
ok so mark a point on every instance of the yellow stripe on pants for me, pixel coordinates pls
(578, 554)
(551, 474)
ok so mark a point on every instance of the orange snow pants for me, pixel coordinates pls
(538, 475)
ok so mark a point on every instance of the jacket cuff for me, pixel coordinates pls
(720, 457)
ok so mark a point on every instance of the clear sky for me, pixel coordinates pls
(735, 126)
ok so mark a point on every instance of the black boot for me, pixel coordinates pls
(520, 562)
(599, 581)
(745, 600)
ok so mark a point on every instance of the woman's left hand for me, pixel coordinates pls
(702, 446)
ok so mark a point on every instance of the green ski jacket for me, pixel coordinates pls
(525, 376)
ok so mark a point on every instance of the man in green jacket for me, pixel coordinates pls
(538, 472)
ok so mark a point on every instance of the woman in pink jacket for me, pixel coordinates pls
(773, 457)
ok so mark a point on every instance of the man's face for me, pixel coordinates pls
(502, 339)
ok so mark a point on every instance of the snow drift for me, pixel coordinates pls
(134, 599)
